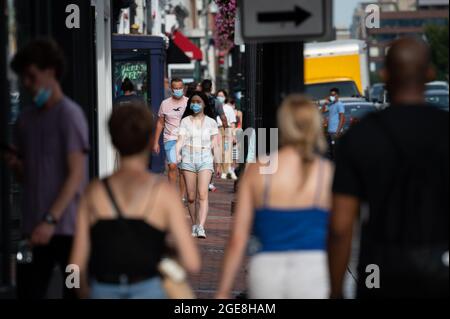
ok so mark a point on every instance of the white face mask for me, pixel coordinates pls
(221, 99)
(332, 99)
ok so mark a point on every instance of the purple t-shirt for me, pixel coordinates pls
(45, 138)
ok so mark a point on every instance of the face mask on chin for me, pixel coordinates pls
(42, 97)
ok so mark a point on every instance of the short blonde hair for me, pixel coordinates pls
(300, 125)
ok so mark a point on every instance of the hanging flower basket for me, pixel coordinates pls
(225, 22)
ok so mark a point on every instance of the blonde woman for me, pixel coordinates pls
(289, 224)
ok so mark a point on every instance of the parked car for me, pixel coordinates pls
(376, 92)
(437, 85)
(354, 112)
(438, 98)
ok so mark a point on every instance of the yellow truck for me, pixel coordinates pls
(342, 64)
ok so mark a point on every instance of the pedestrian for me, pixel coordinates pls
(336, 120)
(124, 219)
(217, 111)
(169, 119)
(129, 94)
(196, 149)
(190, 89)
(236, 143)
(227, 135)
(289, 223)
(396, 161)
(167, 88)
(50, 158)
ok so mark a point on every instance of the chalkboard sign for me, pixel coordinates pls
(136, 71)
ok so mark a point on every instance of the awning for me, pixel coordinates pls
(176, 56)
(188, 47)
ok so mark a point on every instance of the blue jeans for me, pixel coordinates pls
(148, 289)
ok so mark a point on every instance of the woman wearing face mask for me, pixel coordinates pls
(227, 135)
(196, 149)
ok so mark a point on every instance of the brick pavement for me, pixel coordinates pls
(212, 248)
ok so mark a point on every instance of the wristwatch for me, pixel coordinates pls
(49, 219)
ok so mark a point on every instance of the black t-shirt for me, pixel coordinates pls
(127, 100)
(368, 160)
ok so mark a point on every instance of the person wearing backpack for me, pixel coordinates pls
(396, 161)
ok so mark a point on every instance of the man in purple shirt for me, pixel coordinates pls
(51, 143)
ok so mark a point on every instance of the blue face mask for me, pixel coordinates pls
(42, 97)
(178, 93)
(197, 108)
(221, 99)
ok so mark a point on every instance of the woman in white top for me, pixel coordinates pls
(196, 149)
(227, 135)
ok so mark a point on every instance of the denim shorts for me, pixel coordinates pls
(196, 161)
(147, 289)
(171, 152)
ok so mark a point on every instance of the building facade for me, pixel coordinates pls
(397, 19)
(88, 45)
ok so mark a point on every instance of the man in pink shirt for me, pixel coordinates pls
(169, 118)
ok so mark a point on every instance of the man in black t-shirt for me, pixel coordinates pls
(129, 95)
(396, 161)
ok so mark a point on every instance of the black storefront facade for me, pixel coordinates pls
(21, 21)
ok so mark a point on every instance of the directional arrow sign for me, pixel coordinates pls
(286, 20)
(298, 15)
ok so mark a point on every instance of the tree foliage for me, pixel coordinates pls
(437, 37)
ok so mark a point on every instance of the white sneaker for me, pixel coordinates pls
(194, 231)
(233, 176)
(201, 233)
(212, 188)
(224, 176)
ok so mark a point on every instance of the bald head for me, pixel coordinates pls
(408, 65)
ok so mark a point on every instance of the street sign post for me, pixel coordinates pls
(286, 20)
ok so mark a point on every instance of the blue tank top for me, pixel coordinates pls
(296, 229)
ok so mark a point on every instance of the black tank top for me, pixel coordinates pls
(123, 246)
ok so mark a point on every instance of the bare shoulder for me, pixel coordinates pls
(253, 175)
(94, 187)
(252, 170)
(166, 191)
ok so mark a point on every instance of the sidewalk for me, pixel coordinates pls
(212, 248)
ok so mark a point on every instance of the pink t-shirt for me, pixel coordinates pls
(172, 110)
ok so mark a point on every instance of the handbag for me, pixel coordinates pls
(174, 280)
